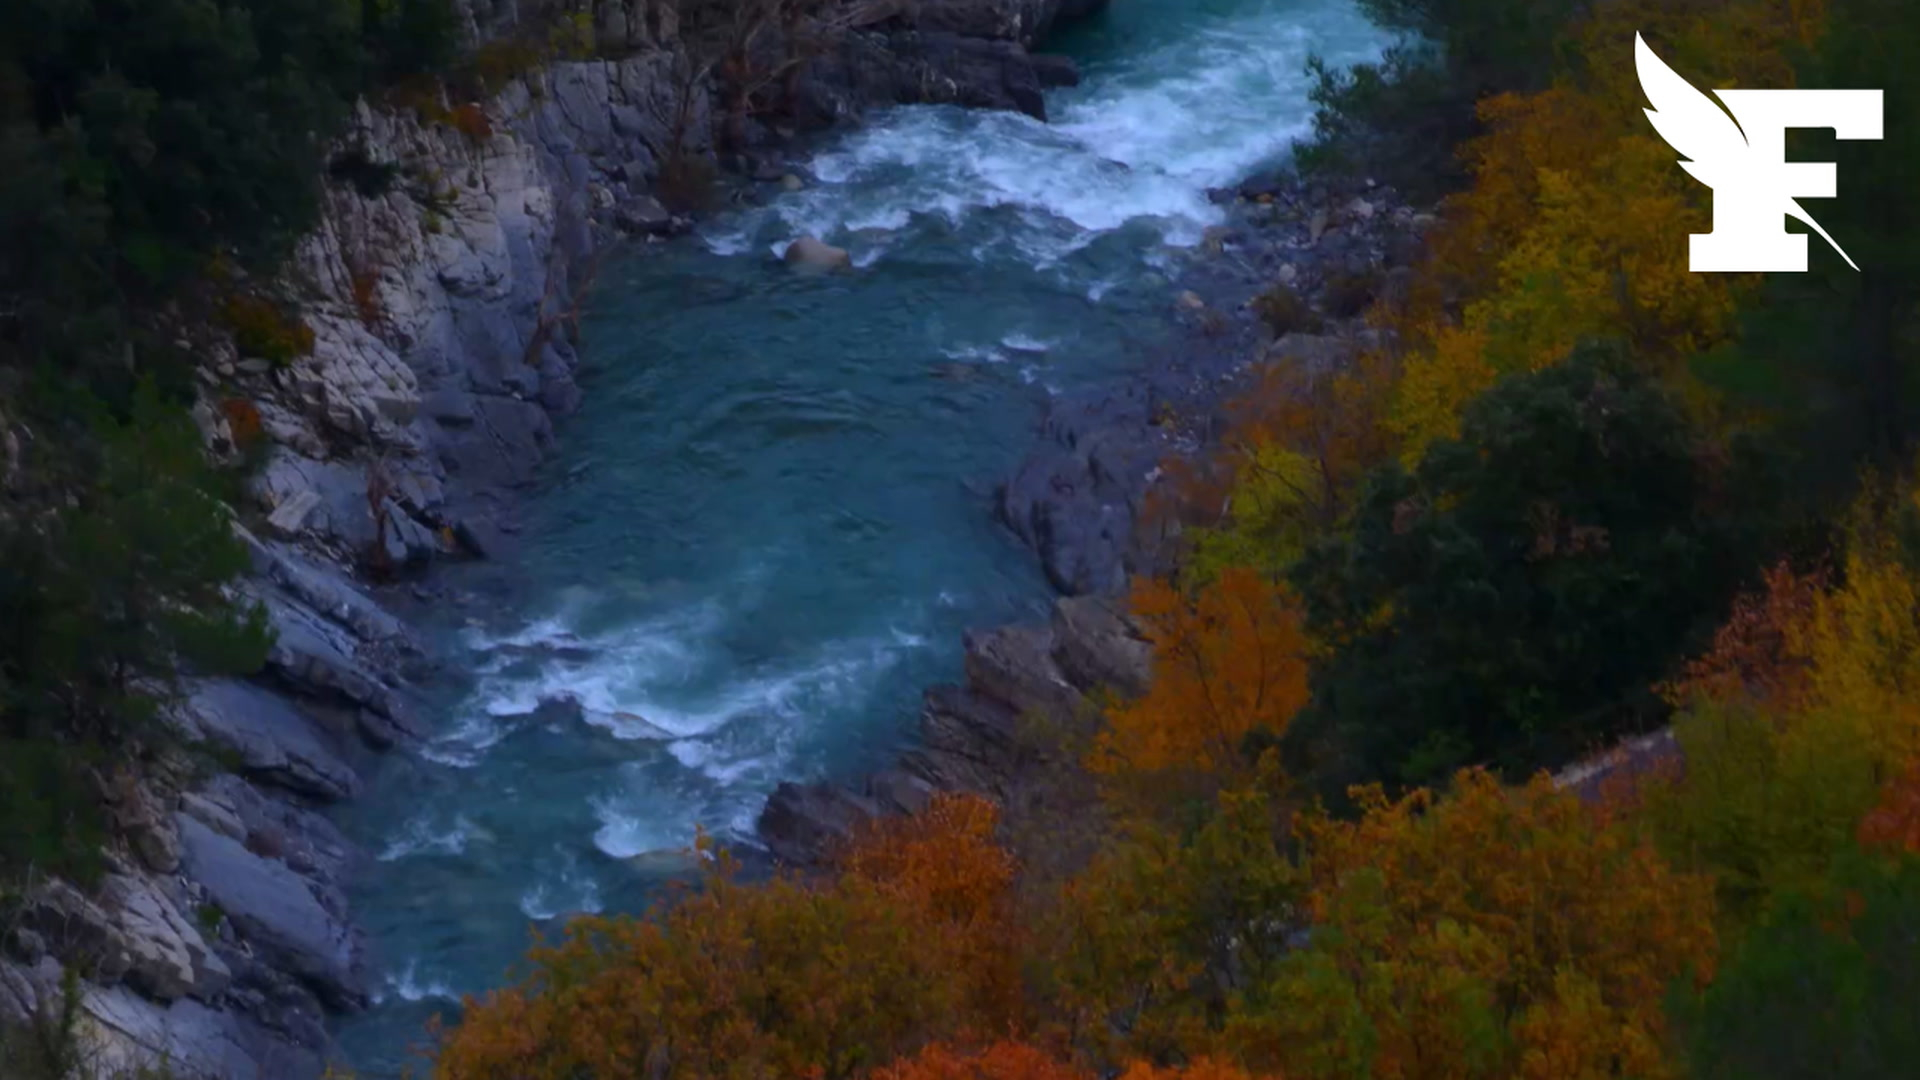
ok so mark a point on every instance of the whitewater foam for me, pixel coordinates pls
(624, 833)
(981, 354)
(565, 891)
(1025, 343)
(425, 836)
(1142, 144)
(408, 985)
(726, 770)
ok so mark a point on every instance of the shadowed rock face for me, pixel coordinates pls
(935, 67)
(271, 738)
(972, 53)
(277, 911)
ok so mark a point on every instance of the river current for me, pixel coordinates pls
(770, 522)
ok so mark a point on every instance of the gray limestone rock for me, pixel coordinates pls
(272, 739)
(320, 659)
(124, 1032)
(643, 215)
(169, 958)
(1074, 500)
(77, 929)
(802, 822)
(275, 910)
(26, 989)
(1098, 646)
(1014, 666)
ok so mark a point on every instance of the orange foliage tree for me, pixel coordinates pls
(1759, 653)
(784, 978)
(945, 864)
(1492, 933)
(1894, 822)
(1022, 1061)
(1228, 662)
(999, 1061)
(1202, 1069)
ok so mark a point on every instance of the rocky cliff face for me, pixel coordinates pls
(441, 289)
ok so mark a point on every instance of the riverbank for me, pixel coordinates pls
(441, 291)
(1083, 501)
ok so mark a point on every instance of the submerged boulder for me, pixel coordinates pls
(813, 254)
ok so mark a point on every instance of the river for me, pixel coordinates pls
(770, 522)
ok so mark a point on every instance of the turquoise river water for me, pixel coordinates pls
(770, 522)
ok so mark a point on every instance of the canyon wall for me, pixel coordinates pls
(441, 288)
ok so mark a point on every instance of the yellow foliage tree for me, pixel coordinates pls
(1492, 933)
(1300, 442)
(1796, 721)
(1577, 220)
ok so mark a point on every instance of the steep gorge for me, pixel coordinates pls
(221, 940)
(778, 503)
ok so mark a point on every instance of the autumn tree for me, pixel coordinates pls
(945, 864)
(1022, 1061)
(1575, 221)
(1142, 952)
(1300, 441)
(787, 977)
(1491, 932)
(1759, 654)
(1202, 1069)
(1894, 822)
(1227, 662)
(998, 1061)
(1800, 718)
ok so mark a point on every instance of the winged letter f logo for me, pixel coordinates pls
(1741, 153)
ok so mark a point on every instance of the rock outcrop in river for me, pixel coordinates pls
(441, 289)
